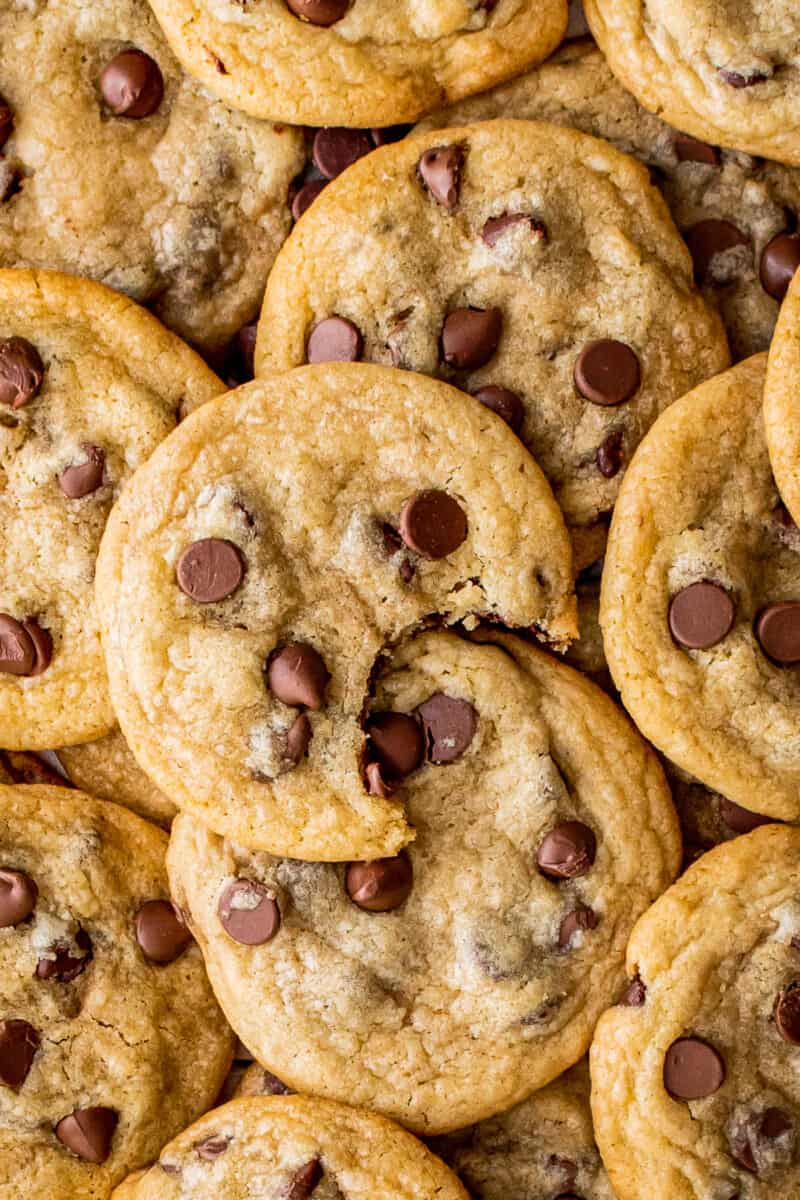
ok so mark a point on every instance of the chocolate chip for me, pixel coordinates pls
(305, 195)
(495, 227)
(470, 336)
(609, 455)
(440, 171)
(567, 851)
(87, 1132)
(18, 896)
(787, 1013)
(701, 615)
(161, 931)
(739, 819)
(433, 524)
(210, 570)
(380, 885)
(692, 1069)
(297, 675)
(17, 651)
(749, 1138)
(298, 738)
(19, 1042)
(304, 1181)
(397, 742)
(377, 782)
(689, 149)
(319, 12)
(607, 372)
(334, 340)
(211, 1147)
(272, 1086)
(387, 135)
(579, 919)
(42, 645)
(504, 402)
(708, 239)
(334, 150)
(63, 965)
(81, 479)
(248, 913)
(777, 628)
(6, 121)
(779, 261)
(131, 84)
(635, 994)
(737, 79)
(21, 371)
(449, 725)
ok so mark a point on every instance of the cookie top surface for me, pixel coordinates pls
(107, 769)
(699, 592)
(92, 1040)
(722, 70)
(251, 578)
(120, 168)
(294, 1146)
(444, 985)
(586, 309)
(89, 385)
(730, 207)
(694, 1084)
(330, 62)
(781, 415)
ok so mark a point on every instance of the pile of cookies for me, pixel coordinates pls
(399, 600)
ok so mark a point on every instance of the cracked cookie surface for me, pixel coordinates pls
(445, 984)
(92, 1041)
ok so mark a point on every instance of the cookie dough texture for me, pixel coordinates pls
(722, 70)
(700, 504)
(115, 379)
(107, 769)
(115, 1035)
(274, 1142)
(304, 473)
(378, 65)
(781, 406)
(577, 88)
(184, 210)
(465, 998)
(602, 261)
(713, 954)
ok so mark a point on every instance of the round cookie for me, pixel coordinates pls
(734, 211)
(508, 257)
(118, 167)
(108, 1019)
(781, 408)
(445, 984)
(89, 385)
(725, 71)
(694, 1075)
(107, 769)
(269, 553)
(295, 1147)
(334, 62)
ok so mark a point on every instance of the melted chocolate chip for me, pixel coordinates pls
(692, 1069)
(470, 337)
(6, 121)
(248, 913)
(440, 171)
(739, 819)
(433, 524)
(787, 1013)
(449, 725)
(319, 12)
(297, 675)
(81, 479)
(567, 851)
(62, 964)
(777, 629)
(396, 742)
(305, 195)
(21, 371)
(298, 739)
(334, 340)
(305, 1180)
(18, 896)
(161, 931)
(709, 239)
(380, 885)
(17, 651)
(609, 455)
(210, 570)
(88, 1132)
(779, 261)
(635, 994)
(689, 149)
(334, 150)
(495, 227)
(19, 1042)
(579, 919)
(738, 79)
(132, 85)
(504, 402)
(211, 1147)
(701, 615)
(750, 1138)
(607, 372)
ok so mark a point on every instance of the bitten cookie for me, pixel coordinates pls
(110, 1038)
(700, 602)
(356, 62)
(535, 267)
(781, 403)
(266, 557)
(118, 167)
(89, 385)
(445, 984)
(695, 1088)
(107, 769)
(722, 70)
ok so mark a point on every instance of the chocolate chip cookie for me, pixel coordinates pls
(108, 1019)
(272, 550)
(356, 62)
(738, 214)
(118, 167)
(444, 984)
(294, 1147)
(532, 265)
(700, 602)
(781, 415)
(89, 385)
(694, 1075)
(107, 769)
(725, 71)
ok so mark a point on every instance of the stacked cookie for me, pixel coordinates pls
(355, 477)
